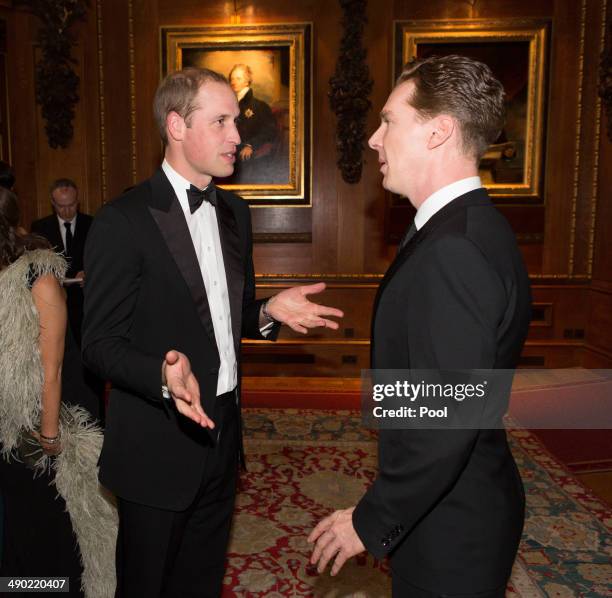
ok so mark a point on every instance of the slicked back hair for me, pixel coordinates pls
(462, 88)
(177, 92)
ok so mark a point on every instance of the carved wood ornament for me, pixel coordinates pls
(350, 87)
(56, 82)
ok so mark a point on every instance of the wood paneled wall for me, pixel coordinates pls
(116, 145)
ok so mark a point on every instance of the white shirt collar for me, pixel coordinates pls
(242, 93)
(72, 222)
(436, 201)
(180, 185)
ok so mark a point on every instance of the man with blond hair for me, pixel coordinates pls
(447, 506)
(170, 291)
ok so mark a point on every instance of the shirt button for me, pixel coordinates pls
(209, 249)
(215, 283)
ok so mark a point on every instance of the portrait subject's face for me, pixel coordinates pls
(401, 143)
(65, 202)
(239, 80)
(210, 136)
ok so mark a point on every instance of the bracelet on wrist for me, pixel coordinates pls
(49, 439)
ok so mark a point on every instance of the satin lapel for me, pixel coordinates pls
(233, 262)
(168, 215)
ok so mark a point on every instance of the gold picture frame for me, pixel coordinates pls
(275, 120)
(516, 50)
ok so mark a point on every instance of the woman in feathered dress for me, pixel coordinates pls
(49, 450)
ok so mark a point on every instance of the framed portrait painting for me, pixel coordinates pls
(516, 51)
(269, 69)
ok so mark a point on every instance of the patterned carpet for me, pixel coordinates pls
(305, 463)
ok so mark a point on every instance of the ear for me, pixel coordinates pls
(442, 128)
(175, 126)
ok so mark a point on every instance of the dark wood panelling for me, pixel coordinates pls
(20, 35)
(116, 100)
(145, 78)
(565, 81)
(589, 149)
(91, 184)
(600, 318)
(116, 143)
(602, 258)
(568, 307)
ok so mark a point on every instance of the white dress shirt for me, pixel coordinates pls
(204, 231)
(63, 228)
(442, 197)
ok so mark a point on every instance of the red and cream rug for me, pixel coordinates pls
(303, 464)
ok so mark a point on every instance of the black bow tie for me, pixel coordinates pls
(196, 197)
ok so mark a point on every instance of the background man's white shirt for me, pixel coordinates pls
(62, 228)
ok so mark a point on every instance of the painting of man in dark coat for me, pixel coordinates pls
(258, 131)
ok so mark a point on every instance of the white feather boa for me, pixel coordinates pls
(91, 509)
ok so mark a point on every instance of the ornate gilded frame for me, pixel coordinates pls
(294, 41)
(530, 36)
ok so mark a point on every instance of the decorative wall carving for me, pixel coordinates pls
(350, 87)
(56, 82)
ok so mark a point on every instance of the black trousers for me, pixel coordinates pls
(173, 554)
(403, 589)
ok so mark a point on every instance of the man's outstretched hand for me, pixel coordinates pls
(291, 307)
(184, 388)
(335, 538)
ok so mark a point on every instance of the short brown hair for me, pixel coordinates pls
(176, 93)
(463, 88)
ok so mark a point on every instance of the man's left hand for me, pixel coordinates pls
(335, 536)
(291, 307)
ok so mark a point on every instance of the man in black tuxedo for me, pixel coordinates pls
(170, 291)
(447, 506)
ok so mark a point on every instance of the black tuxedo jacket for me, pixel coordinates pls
(448, 505)
(144, 295)
(49, 228)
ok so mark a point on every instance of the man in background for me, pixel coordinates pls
(66, 229)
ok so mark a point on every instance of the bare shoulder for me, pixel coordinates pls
(47, 290)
